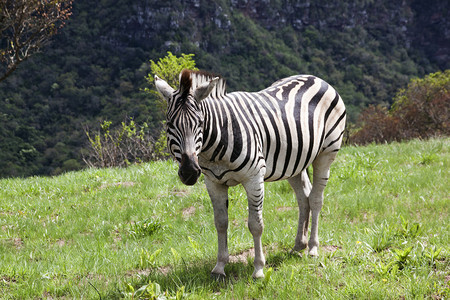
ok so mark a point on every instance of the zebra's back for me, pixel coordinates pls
(282, 128)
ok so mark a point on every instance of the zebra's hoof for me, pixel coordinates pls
(218, 276)
(296, 253)
(258, 274)
(314, 252)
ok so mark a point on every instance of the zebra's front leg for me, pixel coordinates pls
(255, 196)
(219, 198)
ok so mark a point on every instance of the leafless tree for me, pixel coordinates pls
(27, 25)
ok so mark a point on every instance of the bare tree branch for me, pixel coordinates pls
(27, 25)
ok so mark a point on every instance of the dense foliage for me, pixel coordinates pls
(95, 70)
(419, 111)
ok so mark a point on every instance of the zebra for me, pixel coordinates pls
(251, 137)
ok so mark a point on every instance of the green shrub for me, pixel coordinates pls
(122, 146)
(419, 111)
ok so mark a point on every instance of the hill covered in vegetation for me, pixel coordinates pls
(94, 69)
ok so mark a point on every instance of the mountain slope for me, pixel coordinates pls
(95, 67)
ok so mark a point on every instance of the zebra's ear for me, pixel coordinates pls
(203, 90)
(163, 88)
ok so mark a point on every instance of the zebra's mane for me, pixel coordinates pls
(192, 79)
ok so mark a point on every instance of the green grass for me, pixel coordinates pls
(138, 232)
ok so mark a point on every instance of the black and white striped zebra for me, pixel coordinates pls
(248, 138)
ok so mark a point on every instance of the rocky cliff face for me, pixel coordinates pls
(431, 30)
(412, 23)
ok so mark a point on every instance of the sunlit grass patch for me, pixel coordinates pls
(384, 233)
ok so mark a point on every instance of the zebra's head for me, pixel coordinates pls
(185, 122)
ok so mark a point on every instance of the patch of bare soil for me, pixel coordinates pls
(330, 248)
(188, 212)
(17, 242)
(7, 280)
(242, 257)
(165, 270)
(180, 193)
(60, 243)
(250, 253)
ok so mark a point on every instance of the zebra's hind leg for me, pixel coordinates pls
(255, 196)
(219, 198)
(302, 188)
(321, 173)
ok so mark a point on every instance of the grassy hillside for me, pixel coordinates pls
(384, 231)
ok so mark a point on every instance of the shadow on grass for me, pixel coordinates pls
(196, 276)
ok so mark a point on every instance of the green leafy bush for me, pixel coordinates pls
(419, 111)
(120, 147)
(168, 68)
(130, 142)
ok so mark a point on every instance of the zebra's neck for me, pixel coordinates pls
(211, 127)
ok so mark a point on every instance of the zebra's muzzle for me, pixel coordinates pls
(189, 170)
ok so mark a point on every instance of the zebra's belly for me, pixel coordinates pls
(224, 172)
(289, 162)
(220, 174)
(279, 175)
